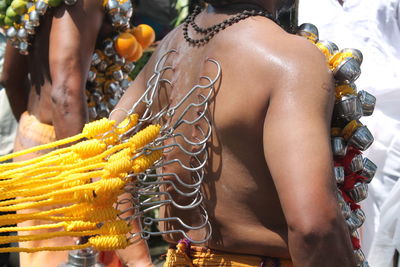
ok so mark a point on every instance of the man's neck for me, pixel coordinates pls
(235, 7)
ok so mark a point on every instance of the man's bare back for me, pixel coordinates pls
(268, 188)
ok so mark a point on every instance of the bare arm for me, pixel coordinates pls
(15, 80)
(137, 254)
(72, 40)
(297, 151)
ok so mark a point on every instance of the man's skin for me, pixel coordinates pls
(58, 65)
(269, 187)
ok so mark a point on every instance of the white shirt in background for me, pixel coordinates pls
(8, 125)
(372, 26)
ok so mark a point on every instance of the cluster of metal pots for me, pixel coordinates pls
(20, 34)
(108, 76)
(350, 137)
(107, 80)
(119, 12)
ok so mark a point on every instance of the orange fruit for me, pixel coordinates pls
(144, 34)
(137, 55)
(126, 45)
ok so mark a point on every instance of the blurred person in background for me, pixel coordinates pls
(373, 26)
(8, 129)
(161, 15)
(8, 123)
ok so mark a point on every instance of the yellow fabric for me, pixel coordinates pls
(338, 58)
(206, 257)
(344, 89)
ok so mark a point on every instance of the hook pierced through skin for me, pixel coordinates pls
(146, 188)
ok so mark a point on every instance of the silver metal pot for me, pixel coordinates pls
(359, 192)
(362, 138)
(368, 102)
(348, 70)
(308, 30)
(369, 170)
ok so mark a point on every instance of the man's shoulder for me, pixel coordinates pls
(283, 49)
(271, 51)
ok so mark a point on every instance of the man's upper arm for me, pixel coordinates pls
(73, 37)
(297, 140)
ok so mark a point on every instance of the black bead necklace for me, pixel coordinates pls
(211, 31)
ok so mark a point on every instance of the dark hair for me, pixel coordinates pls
(287, 18)
(219, 2)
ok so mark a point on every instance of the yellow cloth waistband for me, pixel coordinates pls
(206, 257)
(32, 128)
(31, 133)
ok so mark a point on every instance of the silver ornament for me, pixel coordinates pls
(91, 76)
(41, 7)
(118, 60)
(127, 9)
(11, 33)
(112, 7)
(369, 169)
(344, 207)
(22, 35)
(118, 75)
(356, 163)
(96, 59)
(102, 67)
(102, 110)
(97, 97)
(359, 192)
(129, 67)
(112, 102)
(359, 257)
(368, 102)
(339, 174)
(339, 146)
(23, 48)
(124, 84)
(356, 54)
(359, 213)
(113, 88)
(308, 30)
(92, 113)
(348, 70)
(109, 50)
(332, 47)
(362, 138)
(349, 107)
(34, 18)
(30, 29)
(117, 20)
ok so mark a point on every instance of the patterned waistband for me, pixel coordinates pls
(193, 256)
(30, 127)
(31, 132)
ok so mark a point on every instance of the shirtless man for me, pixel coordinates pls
(269, 188)
(47, 93)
